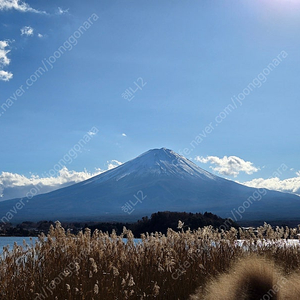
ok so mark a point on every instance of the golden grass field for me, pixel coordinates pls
(203, 264)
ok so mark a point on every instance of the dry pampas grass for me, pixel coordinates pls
(250, 278)
(99, 265)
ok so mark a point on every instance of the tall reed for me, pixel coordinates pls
(99, 265)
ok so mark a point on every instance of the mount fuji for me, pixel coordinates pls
(157, 180)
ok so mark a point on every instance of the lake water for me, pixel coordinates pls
(9, 240)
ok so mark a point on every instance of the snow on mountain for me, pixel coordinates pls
(157, 180)
(159, 162)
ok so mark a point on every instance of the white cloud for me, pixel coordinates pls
(91, 133)
(113, 164)
(124, 134)
(228, 165)
(27, 30)
(40, 35)
(14, 185)
(19, 6)
(5, 76)
(4, 61)
(61, 11)
(289, 185)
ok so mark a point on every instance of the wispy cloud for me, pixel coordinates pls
(91, 133)
(27, 30)
(124, 134)
(14, 185)
(4, 61)
(228, 165)
(61, 11)
(19, 6)
(289, 185)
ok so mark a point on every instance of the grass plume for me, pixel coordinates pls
(173, 266)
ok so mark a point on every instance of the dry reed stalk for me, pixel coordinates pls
(102, 266)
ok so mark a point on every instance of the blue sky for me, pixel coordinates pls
(185, 62)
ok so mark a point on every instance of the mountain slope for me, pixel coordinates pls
(157, 180)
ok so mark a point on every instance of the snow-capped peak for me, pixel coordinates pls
(162, 162)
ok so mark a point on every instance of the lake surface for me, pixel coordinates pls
(9, 240)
